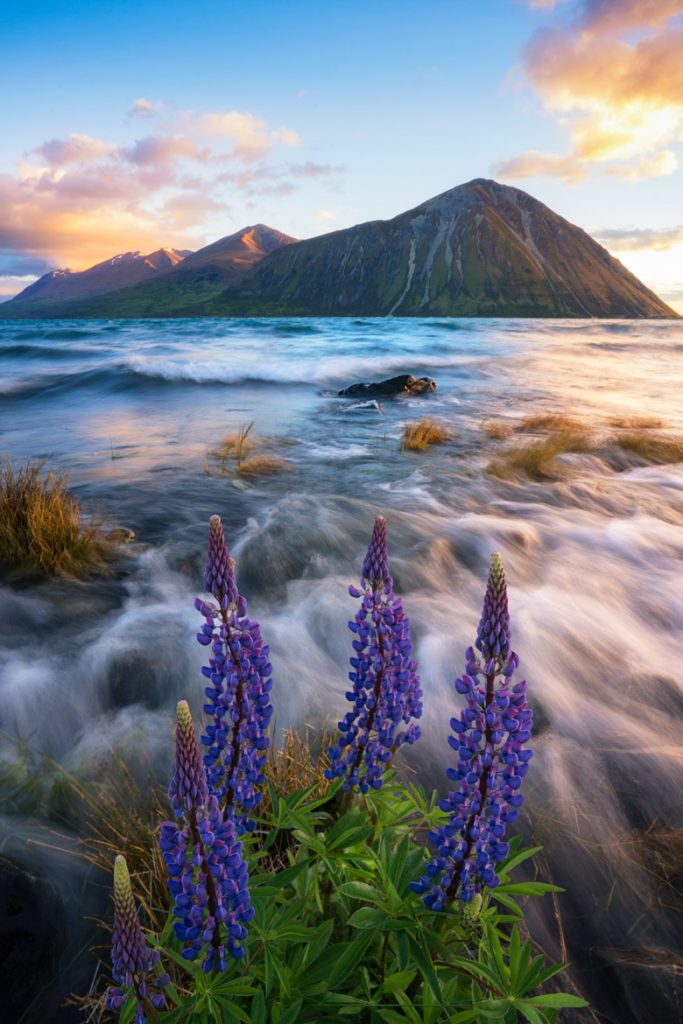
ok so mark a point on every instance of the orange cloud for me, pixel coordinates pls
(613, 75)
(533, 163)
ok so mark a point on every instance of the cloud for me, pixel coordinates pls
(76, 149)
(251, 137)
(77, 200)
(145, 108)
(162, 150)
(634, 239)
(611, 72)
(533, 163)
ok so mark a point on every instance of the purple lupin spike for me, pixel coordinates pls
(238, 699)
(133, 962)
(386, 690)
(489, 738)
(208, 876)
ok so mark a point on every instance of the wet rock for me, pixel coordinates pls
(31, 939)
(405, 384)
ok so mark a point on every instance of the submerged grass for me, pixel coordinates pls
(551, 421)
(245, 453)
(418, 437)
(43, 530)
(649, 448)
(536, 459)
(496, 430)
(636, 422)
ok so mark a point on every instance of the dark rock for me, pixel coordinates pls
(405, 384)
(32, 933)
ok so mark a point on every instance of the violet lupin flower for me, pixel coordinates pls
(489, 738)
(133, 962)
(208, 876)
(238, 695)
(386, 687)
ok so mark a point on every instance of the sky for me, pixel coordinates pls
(138, 124)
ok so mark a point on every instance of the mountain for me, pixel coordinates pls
(481, 249)
(199, 276)
(128, 268)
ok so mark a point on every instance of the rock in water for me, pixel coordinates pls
(405, 384)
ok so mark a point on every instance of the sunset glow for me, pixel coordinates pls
(580, 102)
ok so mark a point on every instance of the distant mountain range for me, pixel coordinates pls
(481, 249)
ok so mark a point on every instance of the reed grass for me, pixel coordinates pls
(43, 530)
(418, 437)
(536, 459)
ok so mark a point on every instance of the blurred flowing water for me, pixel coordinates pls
(131, 409)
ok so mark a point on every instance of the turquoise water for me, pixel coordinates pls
(132, 410)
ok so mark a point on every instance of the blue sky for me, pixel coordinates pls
(314, 116)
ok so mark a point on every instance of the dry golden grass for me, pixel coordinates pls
(550, 421)
(660, 450)
(636, 422)
(262, 465)
(42, 527)
(418, 437)
(495, 430)
(247, 453)
(536, 459)
(298, 764)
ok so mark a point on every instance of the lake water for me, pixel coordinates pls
(132, 410)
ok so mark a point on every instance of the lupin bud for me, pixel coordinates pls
(375, 569)
(188, 789)
(219, 577)
(133, 962)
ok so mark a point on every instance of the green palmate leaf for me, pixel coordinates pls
(527, 888)
(360, 891)
(557, 1000)
(349, 959)
(423, 959)
(368, 917)
(289, 1015)
(531, 1014)
(407, 1007)
(515, 859)
(400, 980)
(258, 1008)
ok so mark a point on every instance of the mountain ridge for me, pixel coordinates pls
(479, 249)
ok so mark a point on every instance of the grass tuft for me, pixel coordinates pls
(552, 422)
(496, 430)
(418, 437)
(660, 450)
(636, 422)
(246, 452)
(262, 465)
(536, 459)
(42, 527)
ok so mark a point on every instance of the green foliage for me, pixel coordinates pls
(338, 932)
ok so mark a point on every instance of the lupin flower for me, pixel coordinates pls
(208, 876)
(238, 699)
(386, 690)
(133, 962)
(489, 737)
